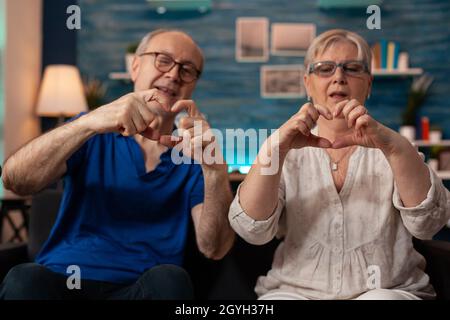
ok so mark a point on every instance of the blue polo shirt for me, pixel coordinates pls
(116, 220)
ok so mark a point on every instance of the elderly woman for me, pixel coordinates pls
(348, 195)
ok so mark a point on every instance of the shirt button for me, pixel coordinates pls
(337, 250)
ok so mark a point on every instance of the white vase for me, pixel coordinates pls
(435, 136)
(129, 61)
(409, 132)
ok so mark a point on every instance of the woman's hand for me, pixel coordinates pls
(296, 132)
(366, 131)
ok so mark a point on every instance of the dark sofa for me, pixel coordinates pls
(233, 277)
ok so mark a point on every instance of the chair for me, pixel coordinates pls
(43, 211)
(233, 277)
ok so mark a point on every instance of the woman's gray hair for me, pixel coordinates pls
(149, 36)
(322, 42)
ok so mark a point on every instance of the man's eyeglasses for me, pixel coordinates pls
(328, 68)
(164, 63)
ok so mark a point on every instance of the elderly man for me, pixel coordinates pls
(125, 210)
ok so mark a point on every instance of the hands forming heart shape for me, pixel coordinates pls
(365, 131)
(148, 113)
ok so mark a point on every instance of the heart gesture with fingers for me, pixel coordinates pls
(197, 135)
(366, 131)
(296, 132)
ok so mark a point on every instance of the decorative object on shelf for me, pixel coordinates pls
(425, 126)
(409, 132)
(387, 60)
(403, 61)
(435, 134)
(129, 55)
(95, 92)
(252, 39)
(416, 96)
(61, 94)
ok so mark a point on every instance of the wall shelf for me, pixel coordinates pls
(426, 143)
(119, 76)
(397, 73)
(444, 175)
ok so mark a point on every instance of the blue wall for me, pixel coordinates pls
(229, 91)
(59, 43)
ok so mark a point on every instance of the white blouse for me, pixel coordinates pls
(339, 245)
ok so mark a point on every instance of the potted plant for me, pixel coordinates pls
(129, 55)
(416, 97)
(95, 92)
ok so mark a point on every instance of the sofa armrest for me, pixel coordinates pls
(437, 255)
(11, 254)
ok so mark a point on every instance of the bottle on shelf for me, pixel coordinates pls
(425, 122)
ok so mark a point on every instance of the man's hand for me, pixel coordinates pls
(134, 113)
(198, 140)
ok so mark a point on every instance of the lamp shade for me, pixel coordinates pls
(61, 92)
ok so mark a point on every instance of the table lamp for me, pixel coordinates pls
(61, 94)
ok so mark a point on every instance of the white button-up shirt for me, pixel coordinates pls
(334, 242)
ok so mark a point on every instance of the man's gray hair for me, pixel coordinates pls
(146, 39)
(149, 36)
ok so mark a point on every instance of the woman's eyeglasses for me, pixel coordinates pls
(164, 63)
(328, 68)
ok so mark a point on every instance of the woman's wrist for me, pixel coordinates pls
(398, 145)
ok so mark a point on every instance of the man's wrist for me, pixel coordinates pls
(83, 125)
(215, 169)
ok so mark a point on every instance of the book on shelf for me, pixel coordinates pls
(385, 55)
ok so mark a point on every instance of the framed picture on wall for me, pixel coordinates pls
(252, 39)
(282, 81)
(291, 39)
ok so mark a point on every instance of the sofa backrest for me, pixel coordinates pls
(43, 212)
